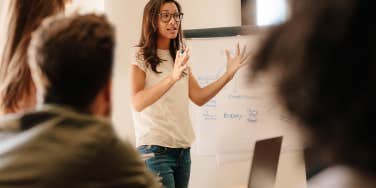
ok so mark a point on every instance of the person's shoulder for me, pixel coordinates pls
(9, 127)
(12, 124)
(138, 59)
(138, 54)
(341, 177)
(95, 127)
(63, 121)
(9, 121)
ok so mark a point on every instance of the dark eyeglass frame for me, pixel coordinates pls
(178, 17)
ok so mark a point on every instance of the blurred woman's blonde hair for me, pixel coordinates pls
(19, 18)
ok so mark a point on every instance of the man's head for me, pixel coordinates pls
(71, 59)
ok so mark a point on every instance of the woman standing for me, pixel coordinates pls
(20, 18)
(162, 85)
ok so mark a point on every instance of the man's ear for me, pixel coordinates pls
(108, 91)
(102, 104)
(107, 99)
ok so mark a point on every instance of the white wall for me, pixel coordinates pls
(211, 13)
(1, 13)
(84, 6)
(126, 16)
(1, 6)
(1, 26)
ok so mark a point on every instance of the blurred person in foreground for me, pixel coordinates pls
(325, 60)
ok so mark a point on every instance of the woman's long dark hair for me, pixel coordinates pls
(149, 35)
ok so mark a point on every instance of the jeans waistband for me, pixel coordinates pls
(168, 148)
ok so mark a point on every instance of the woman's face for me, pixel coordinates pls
(168, 21)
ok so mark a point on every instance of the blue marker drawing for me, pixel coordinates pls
(252, 115)
(233, 116)
(212, 103)
(241, 97)
(208, 116)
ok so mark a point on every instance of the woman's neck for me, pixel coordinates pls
(163, 43)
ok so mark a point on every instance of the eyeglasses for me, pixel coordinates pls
(166, 17)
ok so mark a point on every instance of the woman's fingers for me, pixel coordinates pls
(181, 58)
(177, 54)
(238, 49)
(186, 51)
(183, 70)
(184, 67)
(244, 50)
(185, 59)
(227, 55)
(247, 57)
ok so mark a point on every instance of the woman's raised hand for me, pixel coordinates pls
(238, 60)
(180, 65)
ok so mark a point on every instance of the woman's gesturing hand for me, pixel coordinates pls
(180, 65)
(237, 61)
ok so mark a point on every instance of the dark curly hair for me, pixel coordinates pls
(325, 55)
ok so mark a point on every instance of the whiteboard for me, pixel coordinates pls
(243, 112)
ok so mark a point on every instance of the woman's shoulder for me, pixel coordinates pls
(138, 59)
(138, 54)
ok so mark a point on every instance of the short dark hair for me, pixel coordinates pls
(74, 55)
(326, 57)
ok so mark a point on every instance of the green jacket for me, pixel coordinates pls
(57, 147)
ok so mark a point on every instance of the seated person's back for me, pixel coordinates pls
(58, 147)
(65, 142)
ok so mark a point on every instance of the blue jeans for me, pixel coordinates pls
(171, 165)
